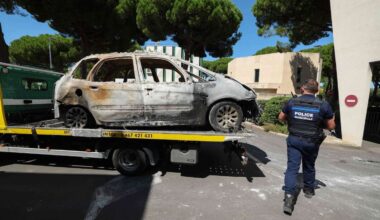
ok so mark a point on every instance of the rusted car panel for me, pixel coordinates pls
(123, 89)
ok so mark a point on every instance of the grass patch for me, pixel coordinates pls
(276, 128)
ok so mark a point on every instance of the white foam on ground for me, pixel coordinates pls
(263, 196)
(157, 178)
(254, 190)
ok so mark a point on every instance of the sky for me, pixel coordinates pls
(16, 26)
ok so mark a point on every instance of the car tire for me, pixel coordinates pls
(77, 117)
(129, 162)
(225, 116)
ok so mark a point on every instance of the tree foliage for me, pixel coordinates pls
(218, 66)
(327, 53)
(7, 6)
(34, 51)
(198, 26)
(279, 48)
(96, 25)
(4, 54)
(302, 21)
(267, 50)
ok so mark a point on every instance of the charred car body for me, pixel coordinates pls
(131, 90)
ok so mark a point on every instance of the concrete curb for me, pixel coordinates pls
(328, 140)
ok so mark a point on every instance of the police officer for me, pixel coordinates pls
(306, 117)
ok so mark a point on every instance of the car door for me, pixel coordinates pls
(168, 93)
(114, 92)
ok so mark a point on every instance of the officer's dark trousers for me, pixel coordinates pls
(305, 150)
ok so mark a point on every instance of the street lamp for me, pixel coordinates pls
(50, 58)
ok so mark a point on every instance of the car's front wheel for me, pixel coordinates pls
(226, 116)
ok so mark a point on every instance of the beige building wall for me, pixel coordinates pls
(356, 25)
(278, 72)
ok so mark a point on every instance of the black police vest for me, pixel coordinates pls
(304, 119)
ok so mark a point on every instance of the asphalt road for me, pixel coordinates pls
(219, 187)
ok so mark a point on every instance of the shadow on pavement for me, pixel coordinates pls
(54, 161)
(259, 155)
(300, 184)
(63, 196)
(318, 183)
(80, 196)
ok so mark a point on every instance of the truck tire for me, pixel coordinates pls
(129, 161)
(225, 116)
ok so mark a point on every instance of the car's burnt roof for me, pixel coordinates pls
(123, 54)
(144, 53)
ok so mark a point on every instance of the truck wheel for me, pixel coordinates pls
(128, 161)
(225, 116)
(77, 117)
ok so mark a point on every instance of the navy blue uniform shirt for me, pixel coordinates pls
(326, 112)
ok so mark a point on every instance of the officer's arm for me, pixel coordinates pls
(285, 109)
(282, 116)
(330, 123)
(329, 116)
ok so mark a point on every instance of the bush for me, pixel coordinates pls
(272, 108)
(262, 103)
(276, 128)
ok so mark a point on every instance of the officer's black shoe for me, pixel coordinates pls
(309, 192)
(289, 201)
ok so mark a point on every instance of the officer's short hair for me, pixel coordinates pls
(311, 85)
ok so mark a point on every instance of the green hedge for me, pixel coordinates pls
(276, 128)
(262, 103)
(271, 110)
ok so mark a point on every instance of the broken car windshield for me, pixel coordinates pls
(197, 69)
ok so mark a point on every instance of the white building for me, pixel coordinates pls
(356, 26)
(176, 52)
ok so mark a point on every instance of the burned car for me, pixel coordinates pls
(145, 89)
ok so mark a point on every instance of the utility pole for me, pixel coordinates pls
(50, 58)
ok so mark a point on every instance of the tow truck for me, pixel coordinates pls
(131, 151)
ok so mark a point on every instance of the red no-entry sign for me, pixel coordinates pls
(351, 100)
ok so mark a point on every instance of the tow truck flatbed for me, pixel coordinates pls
(130, 150)
(54, 127)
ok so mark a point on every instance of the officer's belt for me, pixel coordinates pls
(313, 139)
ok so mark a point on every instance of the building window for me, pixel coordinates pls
(298, 77)
(257, 75)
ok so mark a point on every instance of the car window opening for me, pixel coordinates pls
(34, 84)
(205, 76)
(84, 68)
(118, 70)
(158, 70)
(195, 78)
